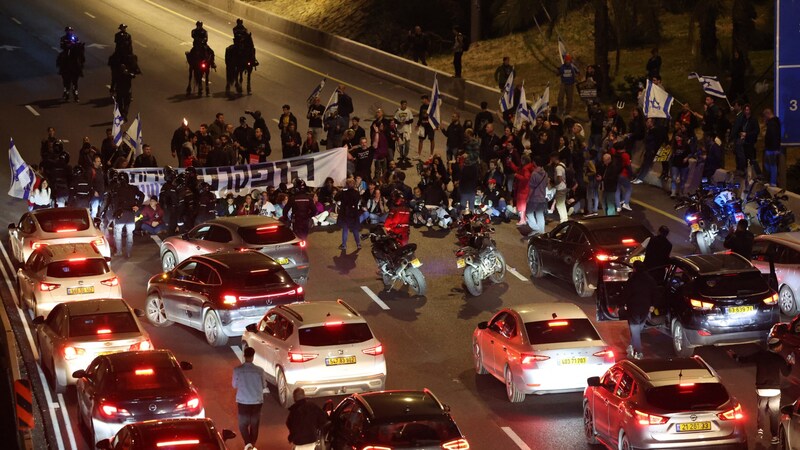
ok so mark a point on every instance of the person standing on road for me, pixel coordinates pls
(350, 209)
(568, 75)
(250, 383)
(637, 297)
(772, 145)
(770, 365)
(741, 240)
(501, 74)
(302, 209)
(656, 256)
(305, 422)
(126, 205)
(537, 199)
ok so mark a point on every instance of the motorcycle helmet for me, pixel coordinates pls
(299, 184)
(124, 178)
(199, 24)
(203, 187)
(169, 173)
(122, 26)
(77, 171)
(239, 22)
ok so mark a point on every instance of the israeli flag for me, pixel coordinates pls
(22, 176)
(435, 105)
(507, 100)
(333, 104)
(133, 137)
(116, 127)
(315, 93)
(711, 85)
(657, 102)
(542, 104)
(523, 112)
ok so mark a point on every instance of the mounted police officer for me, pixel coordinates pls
(80, 191)
(168, 198)
(69, 38)
(126, 203)
(199, 35)
(206, 203)
(301, 209)
(123, 41)
(239, 31)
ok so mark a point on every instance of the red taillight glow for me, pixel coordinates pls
(529, 358)
(630, 242)
(229, 299)
(458, 444)
(686, 385)
(110, 411)
(203, 65)
(732, 414)
(557, 323)
(140, 346)
(701, 305)
(300, 290)
(374, 351)
(267, 229)
(35, 245)
(66, 230)
(301, 357)
(47, 287)
(303, 244)
(649, 419)
(193, 403)
(608, 355)
(77, 259)
(144, 372)
(176, 443)
(334, 324)
(104, 331)
(375, 447)
(71, 353)
(771, 300)
(603, 257)
(114, 281)
(99, 242)
(704, 332)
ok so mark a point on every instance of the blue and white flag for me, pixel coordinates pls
(22, 176)
(116, 128)
(711, 85)
(133, 137)
(523, 111)
(315, 93)
(435, 106)
(657, 101)
(562, 49)
(542, 104)
(507, 100)
(333, 104)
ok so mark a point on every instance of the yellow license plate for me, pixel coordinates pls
(339, 360)
(694, 426)
(461, 263)
(572, 361)
(282, 261)
(740, 309)
(415, 262)
(80, 290)
(637, 258)
(695, 227)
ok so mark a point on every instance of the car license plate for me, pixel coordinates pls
(80, 290)
(637, 258)
(461, 263)
(415, 262)
(740, 309)
(694, 426)
(572, 361)
(340, 360)
(695, 227)
(282, 261)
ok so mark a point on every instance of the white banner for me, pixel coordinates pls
(240, 180)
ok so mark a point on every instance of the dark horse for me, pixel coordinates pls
(201, 61)
(70, 67)
(240, 58)
(115, 62)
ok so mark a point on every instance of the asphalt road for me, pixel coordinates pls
(427, 340)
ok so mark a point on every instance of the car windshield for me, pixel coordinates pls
(180, 435)
(77, 268)
(102, 324)
(63, 221)
(688, 396)
(335, 334)
(265, 277)
(561, 330)
(733, 284)
(131, 378)
(266, 234)
(621, 236)
(423, 431)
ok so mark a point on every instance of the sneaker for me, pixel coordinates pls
(638, 355)
(626, 206)
(342, 247)
(593, 214)
(630, 351)
(429, 223)
(775, 440)
(248, 447)
(760, 433)
(637, 181)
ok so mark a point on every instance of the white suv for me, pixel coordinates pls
(324, 347)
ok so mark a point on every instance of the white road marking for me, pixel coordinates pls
(14, 19)
(108, 86)
(51, 407)
(238, 352)
(67, 422)
(13, 291)
(375, 298)
(156, 239)
(32, 110)
(140, 44)
(93, 17)
(514, 272)
(517, 440)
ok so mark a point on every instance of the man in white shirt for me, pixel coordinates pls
(404, 118)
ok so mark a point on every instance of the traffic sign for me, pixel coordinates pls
(787, 69)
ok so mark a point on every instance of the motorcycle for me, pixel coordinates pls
(396, 263)
(480, 260)
(772, 213)
(469, 224)
(710, 212)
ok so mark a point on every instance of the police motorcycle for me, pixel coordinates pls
(396, 263)
(478, 254)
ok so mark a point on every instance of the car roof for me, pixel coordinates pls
(61, 252)
(536, 312)
(791, 239)
(717, 263)
(96, 306)
(245, 221)
(603, 222)
(318, 312)
(387, 404)
(239, 260)
(674, 370)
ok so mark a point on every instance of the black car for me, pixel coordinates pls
(169, 434)
(716, 299)
(219, 293)
(573, 249)
(122, 388)
(396, 420)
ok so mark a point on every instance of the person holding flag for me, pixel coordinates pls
(133, 139)
(568, 73)
(523, 112)
(657, 102)
(507, 99)
(24, 179)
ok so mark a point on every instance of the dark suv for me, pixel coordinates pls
(714, 299)
(394, 419)
(573, 249)
(220, 293)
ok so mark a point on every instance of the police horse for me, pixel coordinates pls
(70, 66)
(201, 61)
(240, 59)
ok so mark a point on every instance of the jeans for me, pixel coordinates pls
(94, 206)
(771, 165)
(750, 156)
(771, 406)
(350, 228)
(534, 216)
(636, 336)
(249, 418)
(678, 173)
(610, 199)
(405, 146)
(149, 229)
(567, 90)
(624, 190)
(647, 164)
(561, 205)
(118, 227)
(592, 199)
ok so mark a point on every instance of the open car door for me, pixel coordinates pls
(608, 295)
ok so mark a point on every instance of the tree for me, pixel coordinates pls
(601, 26)
(705, 14)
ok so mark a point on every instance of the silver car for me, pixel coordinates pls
(54, 226)
(264, 234)
(661, 403)
(784, 250)
(324, 347)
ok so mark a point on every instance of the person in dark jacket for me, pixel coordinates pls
(609, 179)
(741, 240)
(656, 257)
(305, 422)
(772, 145)
(637, 295)
(349, 211)
(126, 205)
(302, 209)
(770, 365)
(455, 136)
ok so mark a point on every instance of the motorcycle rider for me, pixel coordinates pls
(126, 205)
(123, 41)
(206, 203)
(69, 38)
(80, 192)
(199, 35)
(399, 217)
(302, 209)
(168, 199)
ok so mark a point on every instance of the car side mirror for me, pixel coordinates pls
(12, 227)
(593, 381)
(483, 325)
(138, 312)
(228, 435)
(104, 444)
(185, 237)
(328, 407)
(186, 365)
(251, 328)
(38, 320)
(79, 374)
(788, 409)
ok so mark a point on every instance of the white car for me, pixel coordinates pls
(65, 273)
(75, 333)
(54, 226)
(540, 348)
(784, 248)
(324, 347)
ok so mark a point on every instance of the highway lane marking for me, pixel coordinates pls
(516, 274)
(51, 407)
(375, 298)
(93, 17)
(238, 352)
(67, 422)
(32, 110)
(656, 210)
(514, 437)
(14, 19)
(156, 239)
(140, 44)
(13, 291)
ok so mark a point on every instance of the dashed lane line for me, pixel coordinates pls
(156, 239)
(67, 422)
(238, 352)
(140, 44)
(656, 210)
(375, 298)
(514, 272)
(16, 21)
(32, 110)
(90, 15)
(514, 437)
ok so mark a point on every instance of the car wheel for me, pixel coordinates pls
(476, 353)
(679, 342)
(168, 261)
(212, 328)
(535, 262)
(625, 443)
(514, 394)
(473, 282)
(284, 395)
(580, 281)
(588, 425)
(499, 269)
(155, 311)
(787, 301)
(782, 444)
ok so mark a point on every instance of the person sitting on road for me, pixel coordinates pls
(151, 218)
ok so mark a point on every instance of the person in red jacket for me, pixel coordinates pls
(522, 174)
(399, 217)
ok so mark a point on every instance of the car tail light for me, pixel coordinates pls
(734, 413)
(374, 351)
(772, 299)
(530, 358)
(66, 230)
(267, 229)
(99, 242)
(47, 287)
(604, 257)
(71, 353)
(607, 354)
(140, 346)
(229, 299)
(144, 372)
(704, 332)
(178, 442)
(630, 242)
(649, 419)
(375, 447)
(701, 305)
(558, 323)
(300, 290)
(35, 245)
(193, 404)
(77, 260)
(111, 411)
(334, 323)
(104, 331)
(298, 357)
(302, 244)
(113, 281)
(203, 65)
(458, 444)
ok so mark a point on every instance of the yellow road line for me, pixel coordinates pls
(656, 210)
